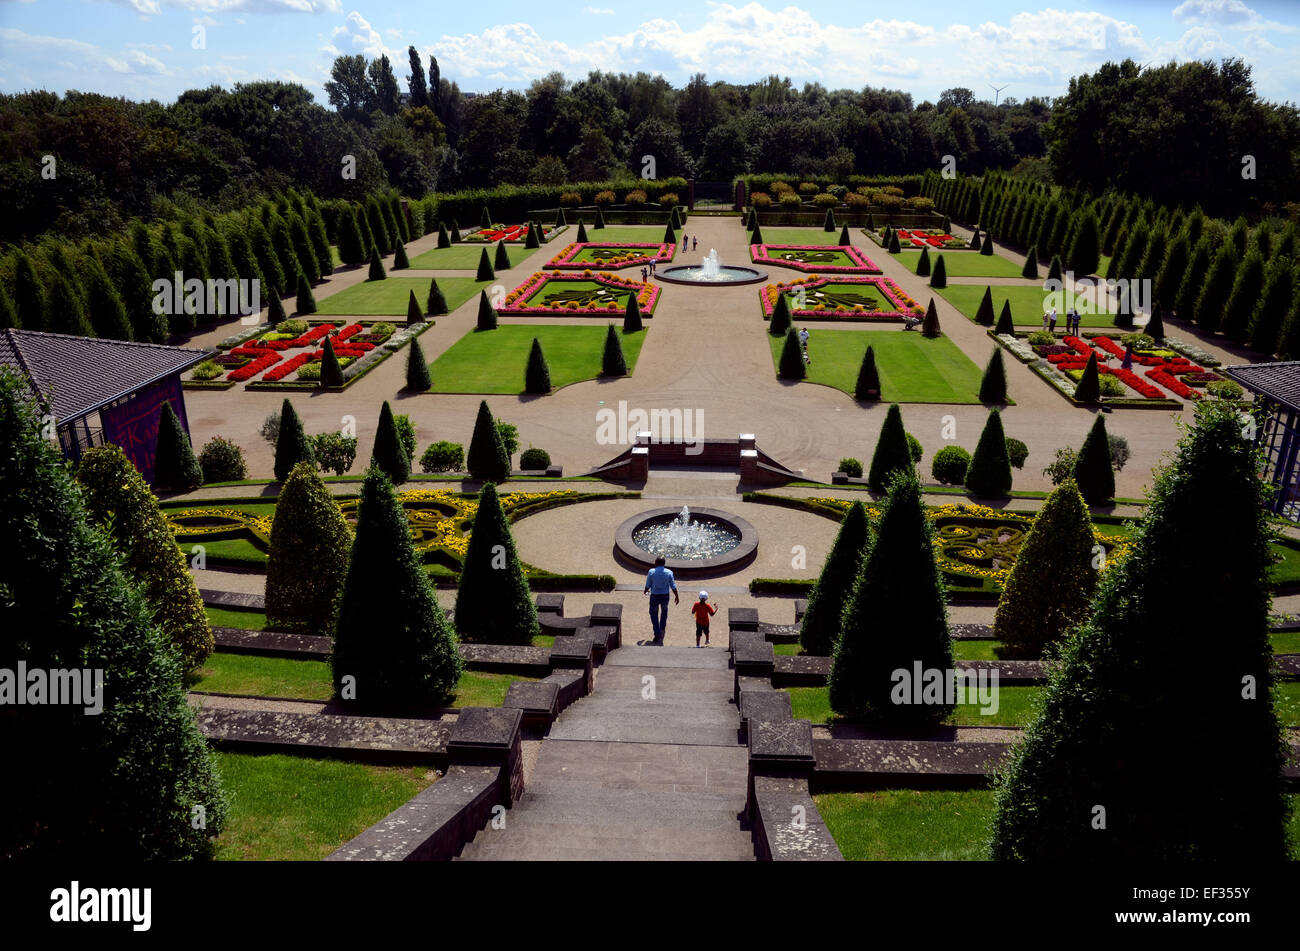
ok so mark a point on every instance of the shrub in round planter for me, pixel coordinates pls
(222, 461)
(443, 457)
(534, 459)
(949, 465)
(851, 467)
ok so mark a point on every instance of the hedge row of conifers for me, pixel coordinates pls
(1227, 278)
(1149, 672)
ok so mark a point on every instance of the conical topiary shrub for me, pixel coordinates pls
(845, 240)
(119, 501)
(175, 467)
(868, 385)
(582, 232)
(939, 276)
(1030, 270)
(487, 460)
(399, 649)
(829, 224)
(756, 236)
(493, 602)
(413, 312)
(377, 272)
(993, 386)
(291, 445)
(892, 453)
(894, 619)
(791, 365)
(1052, 578)
(502, 262)
(923, 263)
(782, 320)
(487, 314)
(820, 628)
(331, 373)
(1093, 471)
(560, 220)
(1005, 324)
(984, 313)
(1155, 328)
(632, 316)
(275, 314)
(531, 240)
(537, 376)
(455, 232)
(1089, 388)
(612, 362)
(389, 455)
(485, 272)
(418, 379)
(308, 558)
(128, 778)
(1054, 270)
(894, 246)
(1112, 719)
(400, 260)
(930, 324)
(444, 239)
(986, 248)
(600, 219)
(670, 237)
(436, 305)
(975, 243)
(485, 219)
(989, 474)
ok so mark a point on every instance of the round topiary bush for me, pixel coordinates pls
(1017, 452)
(851, 467)
(222, 461)
(949, 465)
(914, 447)
(532, 458)
(443, 456)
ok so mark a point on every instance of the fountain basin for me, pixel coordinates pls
(632, 555)
(728, 275)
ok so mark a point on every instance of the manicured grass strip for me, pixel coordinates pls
(611, 234)
(494, 361)
(459, 257)
(913, 368)
(909, 825)
(1286, 701)
(974, 650)
(478, 689)
(244, 620)
(389, 297)
(264, 676)
(1285, 642)
(799, 235)
(302, 808)
(227, 550)
(1286, 571)
(1016, 707)
(961, 264)
(1028, 304)
(787, 650)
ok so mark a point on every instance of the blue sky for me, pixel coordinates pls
(147, 48)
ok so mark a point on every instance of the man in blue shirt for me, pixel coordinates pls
(658, 582)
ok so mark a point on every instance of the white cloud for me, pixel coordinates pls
(154, 7)
(1223, 12)
(136, 62)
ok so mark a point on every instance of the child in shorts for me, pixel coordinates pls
(702, 611)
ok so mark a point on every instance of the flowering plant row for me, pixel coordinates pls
(903, 305)
(1172, 383)
(933, 238)
(287, 367)
(621, 255)
(610, 297)
(805, 257)
(254, 367)
(506, 233)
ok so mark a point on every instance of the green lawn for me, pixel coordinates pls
(630, 234)
(463, 256)
(801, 236)
(287, 808)
(974, 650)
(831, 257)
(1286, 701)
(1285, 642)
(494, 361)
(1026, 304)
(388, 298)
(963, 264)
(913, 368)
(252, 675)
(909, 825)
(1016, 707)
(245, 620)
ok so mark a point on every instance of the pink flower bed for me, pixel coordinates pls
(565, 259)
(762, 254)
(904, 306)
(515, 302)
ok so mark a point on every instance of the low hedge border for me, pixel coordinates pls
(207, 384)
(385, 350)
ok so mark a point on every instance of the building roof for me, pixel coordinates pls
(73, 376)
(1279, 382)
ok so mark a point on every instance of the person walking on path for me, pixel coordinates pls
(1051, 321)
(702, 611)
(695, 242)
(644, 275)
(652, 266)
(658, 582)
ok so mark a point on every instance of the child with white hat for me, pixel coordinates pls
(702, 611)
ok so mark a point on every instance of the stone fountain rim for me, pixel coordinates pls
(685, 567)
(665, 274)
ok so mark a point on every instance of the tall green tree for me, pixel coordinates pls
(175, 468)
(820, 628)
(308, 558)
(892, 453)
(493, 602)
(291, 444)
(389, 455)
(989, 473)
(487, 460)
(1093, 472)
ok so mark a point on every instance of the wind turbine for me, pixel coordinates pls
(996, 91)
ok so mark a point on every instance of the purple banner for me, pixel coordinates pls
(133, 425)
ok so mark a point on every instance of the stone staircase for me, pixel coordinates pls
(629, 775)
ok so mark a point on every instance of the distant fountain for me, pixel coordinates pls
(711, 266)
(682, 538)
(693, 544)
(710, 270)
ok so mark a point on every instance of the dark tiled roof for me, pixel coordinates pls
(74, 375)
(1279, 382)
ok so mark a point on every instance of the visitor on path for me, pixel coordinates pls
(686, 242)
(658, 582)
(652, 266)
(644, 275)
(695, 243)
(1044, 320)
(911, 322)
(1051, 321)
(702, 611)
(1128, 357)
(803, 337)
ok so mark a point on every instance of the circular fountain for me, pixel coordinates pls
(705, 541)
(711, 271)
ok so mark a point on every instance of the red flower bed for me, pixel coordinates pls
(285, 368)
(1172, 383)
(1133, 381)
(251, 369)
(347, 332)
